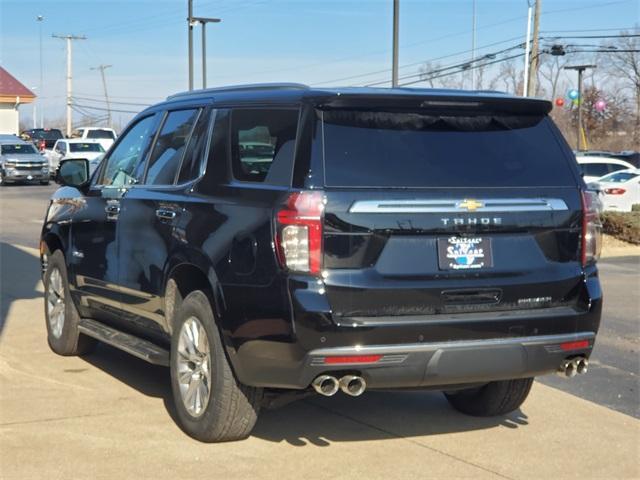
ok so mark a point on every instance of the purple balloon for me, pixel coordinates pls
(600, 105)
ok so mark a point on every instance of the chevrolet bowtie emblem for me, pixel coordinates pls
(470, 204)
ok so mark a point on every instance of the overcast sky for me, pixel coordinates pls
(314, 42)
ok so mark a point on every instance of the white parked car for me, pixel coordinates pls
(619, 190)
(106, 136)
(594, 168)
(73, 148)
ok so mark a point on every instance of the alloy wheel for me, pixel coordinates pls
(55, 303)
(194, 366)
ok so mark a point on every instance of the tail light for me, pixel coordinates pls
(299, 232)
(42, 145)
(591, 227)
(614, 191)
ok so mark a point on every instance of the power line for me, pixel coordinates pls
(87, 99)
(105, 109)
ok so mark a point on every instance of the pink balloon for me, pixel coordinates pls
(600, 105)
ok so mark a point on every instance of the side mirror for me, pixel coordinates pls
(73, 172)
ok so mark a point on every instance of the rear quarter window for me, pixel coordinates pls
(414, 150)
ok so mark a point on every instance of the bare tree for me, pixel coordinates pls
(625, 67)
(551, 68)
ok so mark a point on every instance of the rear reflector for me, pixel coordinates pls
(579, 345)
(614, 191)
(347, 359)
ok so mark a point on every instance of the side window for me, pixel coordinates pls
(170, 147)
(258, 136)
(595, 169)
(192, 160)
(614, 167)
(63, 147)
(124, 164)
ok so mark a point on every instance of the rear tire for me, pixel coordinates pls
(493, 399)
(212, 405)
(60, 312)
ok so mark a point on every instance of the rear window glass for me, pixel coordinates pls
(46, 134)
(170, 146)
(407, 149)
(258, 137)
(100, 134)
(86, 147)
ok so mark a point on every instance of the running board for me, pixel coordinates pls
(135, 346)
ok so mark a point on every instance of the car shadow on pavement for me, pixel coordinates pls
(373, 416)
(19, 278)
(316, 420)
(148, 379)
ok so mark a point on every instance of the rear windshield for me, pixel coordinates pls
(46, 134)
(100, 134)
(17, 149)
(86, 147)
(390, 149)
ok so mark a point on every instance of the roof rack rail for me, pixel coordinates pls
(241, 88)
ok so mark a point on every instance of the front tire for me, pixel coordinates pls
(60, 312)
(493, 399)
(212, 405)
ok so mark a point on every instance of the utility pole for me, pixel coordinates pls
(527, 51)
(396, 28)
(203, 22)
(190, 23)
(40, 19)
(69, 38)
(579, 131)
(533, 68)
(473, 46)
(102, 68)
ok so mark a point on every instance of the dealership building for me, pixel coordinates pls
(12, 95)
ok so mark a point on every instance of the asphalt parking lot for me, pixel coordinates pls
(109, 414)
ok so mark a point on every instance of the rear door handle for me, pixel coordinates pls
(165, 214)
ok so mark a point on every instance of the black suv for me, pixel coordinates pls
(42, 138)
(279, 239)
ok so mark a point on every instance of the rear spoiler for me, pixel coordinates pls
(479, 102)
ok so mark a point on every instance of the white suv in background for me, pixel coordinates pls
(66, 148)
(595, 167)
(106, 136)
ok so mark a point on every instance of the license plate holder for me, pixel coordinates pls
(464, 253)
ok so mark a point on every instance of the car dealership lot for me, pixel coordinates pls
(110, 414)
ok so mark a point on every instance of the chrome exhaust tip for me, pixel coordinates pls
(353, 385)
(326, 385)
(568, 368)
(583, 366)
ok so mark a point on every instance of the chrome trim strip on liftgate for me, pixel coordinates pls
(493, 205)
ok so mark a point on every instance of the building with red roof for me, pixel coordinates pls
(12, 95)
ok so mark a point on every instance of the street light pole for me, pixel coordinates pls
(203, 22)
(190, 23)
(580, 69)
(40, 19)
(396, 28)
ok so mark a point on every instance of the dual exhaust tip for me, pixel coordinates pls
(573, 366)
(328, 385)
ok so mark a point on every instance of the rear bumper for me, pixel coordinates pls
(417, 351)
(420, 364)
